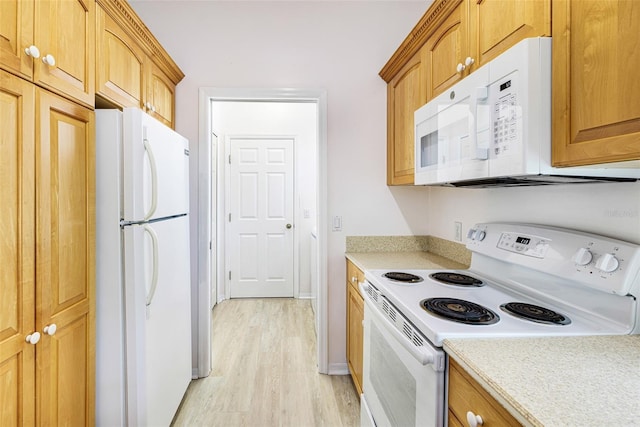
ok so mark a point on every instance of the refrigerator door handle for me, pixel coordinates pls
(154, 180)
(154, 276)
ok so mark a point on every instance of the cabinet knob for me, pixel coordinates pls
(49, 60)
(460, 68)
(469, 61)
(354, 279)
(33, 338)
(474, 420)
(50, 329)
(32, 51)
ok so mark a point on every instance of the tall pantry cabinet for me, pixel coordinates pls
(47, 337)
(48, 90)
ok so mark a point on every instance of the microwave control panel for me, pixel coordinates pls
(506, 115)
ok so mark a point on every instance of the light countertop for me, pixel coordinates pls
(402, 260)
(558, 381)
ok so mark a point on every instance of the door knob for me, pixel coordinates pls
(289, 226)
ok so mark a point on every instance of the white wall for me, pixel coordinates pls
(608, 209)
(335, 45)
(298, 120)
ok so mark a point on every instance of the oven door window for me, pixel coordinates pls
(394, 384)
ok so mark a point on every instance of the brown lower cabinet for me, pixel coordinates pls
(355, 316)
(47, 286)
(466, 395)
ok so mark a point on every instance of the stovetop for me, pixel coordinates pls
(532, 265)
(407, 298)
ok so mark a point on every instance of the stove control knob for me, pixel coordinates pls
(479, 235)
(583, 256)
(607, 263)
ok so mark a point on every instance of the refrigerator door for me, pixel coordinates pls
(158, 303)
(155, 169)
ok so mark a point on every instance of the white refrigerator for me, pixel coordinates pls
(143, 310)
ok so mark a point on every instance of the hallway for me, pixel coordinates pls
(264, 371)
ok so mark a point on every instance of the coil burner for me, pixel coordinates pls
(460, 311)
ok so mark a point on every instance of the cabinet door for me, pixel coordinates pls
(65, 269)
(120, 69)
(444, 50)
(405, 94)
(596, 109)
(16, 34)
(465, 394)
(499, 24)
(65, 29)
(17, 250)
(355, 315)
(160, 94)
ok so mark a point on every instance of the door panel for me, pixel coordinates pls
(502, 23)
(168, 321)
(65, 269)
(156, 160)
(261, 232)
(71, 41)
(121, 63)
(16, 34)
(596, 112)
(160, 94)
(17, 248)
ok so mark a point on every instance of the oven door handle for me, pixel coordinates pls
(422, 354)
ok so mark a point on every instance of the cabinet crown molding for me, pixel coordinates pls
(431, 19)
(127, 18)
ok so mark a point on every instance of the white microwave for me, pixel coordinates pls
(493, 128)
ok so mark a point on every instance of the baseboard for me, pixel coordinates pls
(338, 369)
(305, 296)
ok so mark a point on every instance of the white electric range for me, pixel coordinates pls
(524, 280)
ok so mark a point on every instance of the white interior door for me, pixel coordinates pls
(261, 217)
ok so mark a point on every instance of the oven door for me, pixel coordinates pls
(402, 386)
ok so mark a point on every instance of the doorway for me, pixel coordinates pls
(310, 218)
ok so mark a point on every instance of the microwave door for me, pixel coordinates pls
(442, 126)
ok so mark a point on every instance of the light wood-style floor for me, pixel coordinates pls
(264, 372)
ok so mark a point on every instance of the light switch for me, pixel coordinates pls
(337, 223)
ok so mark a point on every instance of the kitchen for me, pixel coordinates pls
(345, 62)
(344, 56)
(341, 46)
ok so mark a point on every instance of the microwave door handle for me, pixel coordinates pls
(481, 93)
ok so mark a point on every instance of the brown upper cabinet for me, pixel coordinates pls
(134, 70)
(596, 107)
(445, 51)
(405, 94)
(453, 38)
(52, 44)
